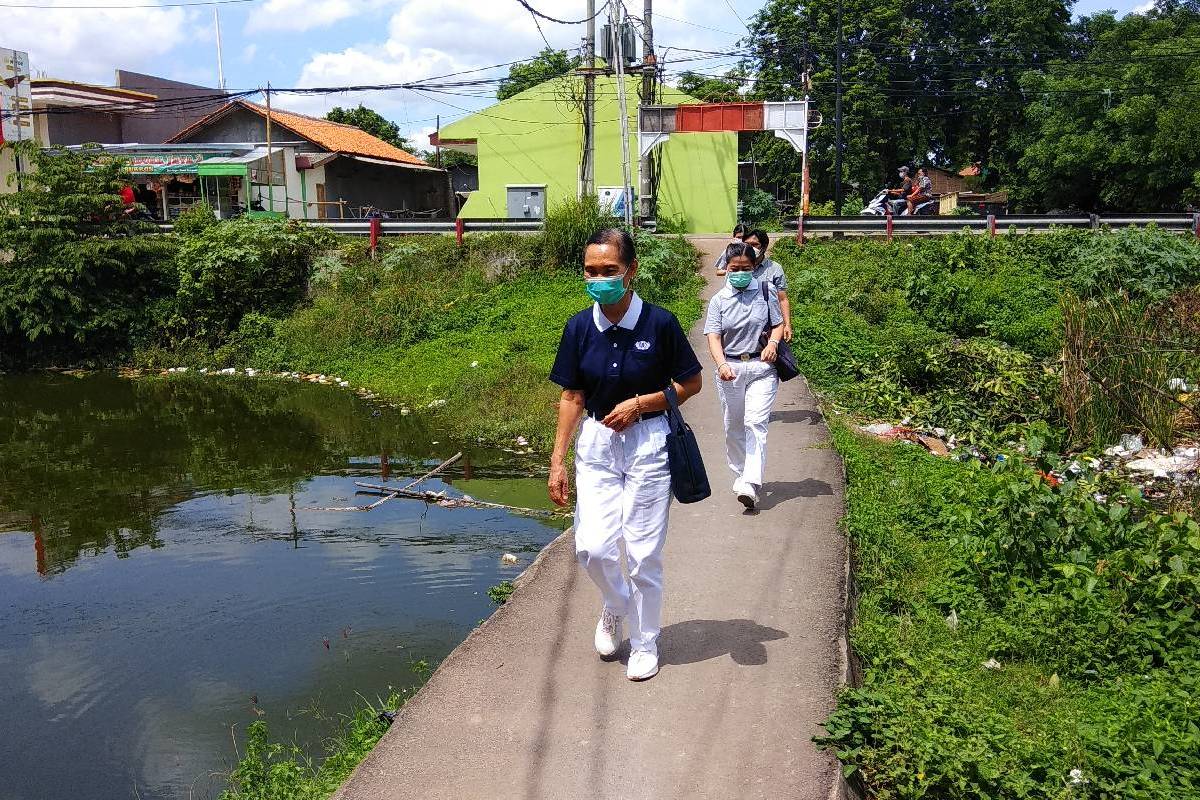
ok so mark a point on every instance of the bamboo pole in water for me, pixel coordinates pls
(446, 501)
(390, 491)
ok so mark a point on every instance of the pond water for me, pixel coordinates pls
(162, 585)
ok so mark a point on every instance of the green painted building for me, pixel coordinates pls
(529, 148)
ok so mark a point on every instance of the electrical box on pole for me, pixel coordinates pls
(628, 44)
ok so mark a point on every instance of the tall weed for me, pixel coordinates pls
(1119, 361)
(568, 226)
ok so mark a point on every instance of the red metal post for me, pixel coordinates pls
(458, 230)
(889, 223)
(1196, 223)
(376, 229)
(800, 229)
(992, 225)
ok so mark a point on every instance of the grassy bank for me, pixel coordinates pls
(271, 770)
(1027, 623)
(472, 331)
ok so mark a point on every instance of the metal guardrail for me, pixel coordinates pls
(1182, 223)
(405, 227)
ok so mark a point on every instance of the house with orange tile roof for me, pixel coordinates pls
(320, 169)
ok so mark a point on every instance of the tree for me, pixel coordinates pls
(923, 82)
(370, 121)
(1115, 128)
(79, 279)
(710, 89)
(546, 65)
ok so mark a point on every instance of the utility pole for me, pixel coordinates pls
(587, 167)
(220, 59)
(837, 120)
(270, 156)
(649, 68)
(617, 17)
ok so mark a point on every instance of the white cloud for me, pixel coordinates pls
(249, 52)
(88, 45)
(301, 15)
(427, 38)
(1144, 8)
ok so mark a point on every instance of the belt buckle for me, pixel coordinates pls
(744, 357)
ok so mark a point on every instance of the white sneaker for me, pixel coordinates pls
(643, 665)
(608, 633)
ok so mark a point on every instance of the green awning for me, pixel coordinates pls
(206, 168)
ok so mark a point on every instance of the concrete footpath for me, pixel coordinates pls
(752, 653)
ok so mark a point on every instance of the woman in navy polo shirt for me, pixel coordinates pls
(613, 363)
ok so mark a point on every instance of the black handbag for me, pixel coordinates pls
(689, 481)
(785, 360)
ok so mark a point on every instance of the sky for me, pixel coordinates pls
(307, 43)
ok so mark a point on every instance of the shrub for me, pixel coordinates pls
(758, 208)
(195, 220)
(239, 266)
(567, 228)
(1145, 263)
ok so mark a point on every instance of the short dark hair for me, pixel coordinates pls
(761, 235)
(739, 230)
(619, 238)
(740, 249)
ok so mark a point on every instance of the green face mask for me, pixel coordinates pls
(740, 280)
(607, 291)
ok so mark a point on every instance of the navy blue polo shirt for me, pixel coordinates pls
(637, 356)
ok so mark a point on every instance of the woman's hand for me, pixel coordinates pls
(559, 485)
(726, 373)
(770, 352)
(625, 414)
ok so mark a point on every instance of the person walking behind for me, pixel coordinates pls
(737, 317)
(739, 233)
(768, 270)
(614, 361)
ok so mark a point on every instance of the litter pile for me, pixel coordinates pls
(1156, 471)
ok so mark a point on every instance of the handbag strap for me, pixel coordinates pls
(674, 419)
(767, 299)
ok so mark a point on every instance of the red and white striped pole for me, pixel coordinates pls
(800, 229)
(992, 225)
(458, 231)
(889, 223)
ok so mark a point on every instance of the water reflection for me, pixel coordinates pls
(127, 673)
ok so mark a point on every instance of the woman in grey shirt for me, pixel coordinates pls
(737, 317)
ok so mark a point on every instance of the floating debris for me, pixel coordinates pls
(508, 559)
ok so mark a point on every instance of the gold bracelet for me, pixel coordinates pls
(637, 404)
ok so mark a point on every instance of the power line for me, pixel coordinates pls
(549, 18)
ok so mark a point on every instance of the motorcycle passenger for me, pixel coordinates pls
(921, 192)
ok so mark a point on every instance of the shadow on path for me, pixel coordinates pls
(701, 639)
(774, 493)
(805, 416)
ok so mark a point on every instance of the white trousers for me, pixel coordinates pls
(747, 401)
(623, 496)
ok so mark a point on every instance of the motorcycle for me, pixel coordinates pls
(878, 207)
